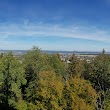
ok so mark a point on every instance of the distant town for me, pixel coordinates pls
(64, 55)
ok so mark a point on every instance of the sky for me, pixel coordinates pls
(82, 25)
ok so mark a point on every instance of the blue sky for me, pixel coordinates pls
(82, 25)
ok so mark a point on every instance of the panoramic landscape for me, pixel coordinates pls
(54, 54)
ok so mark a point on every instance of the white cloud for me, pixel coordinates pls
(41, 29)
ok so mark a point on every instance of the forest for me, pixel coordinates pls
(40, 81)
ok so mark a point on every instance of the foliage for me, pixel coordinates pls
(34, 62)
(79, 95)
(51, 87)
(76, 66)
(12, 78)
(98, 72)
(57, 65)
(35, 81)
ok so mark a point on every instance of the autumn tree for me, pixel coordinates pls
(49, 93)
(78, 94)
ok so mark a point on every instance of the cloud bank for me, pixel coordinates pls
(40, 29)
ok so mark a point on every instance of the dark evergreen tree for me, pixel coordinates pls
(12, 77)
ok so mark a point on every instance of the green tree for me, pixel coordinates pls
(76, 66)
(13, 78)
(57, 65)
(103, 51)
(34, 62)
(98, 73)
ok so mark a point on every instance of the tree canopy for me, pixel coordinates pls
(39, 81)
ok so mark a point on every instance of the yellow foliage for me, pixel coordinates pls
(54, 94)
(51, 88)
(21, 105)
(85, 94)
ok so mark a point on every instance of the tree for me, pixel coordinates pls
(13, 78)
(99, 75)
(78, 94)
(34, 62)
(76, 66)
(35, 82)
(57, 65)
(103, 51)
(49, 92)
